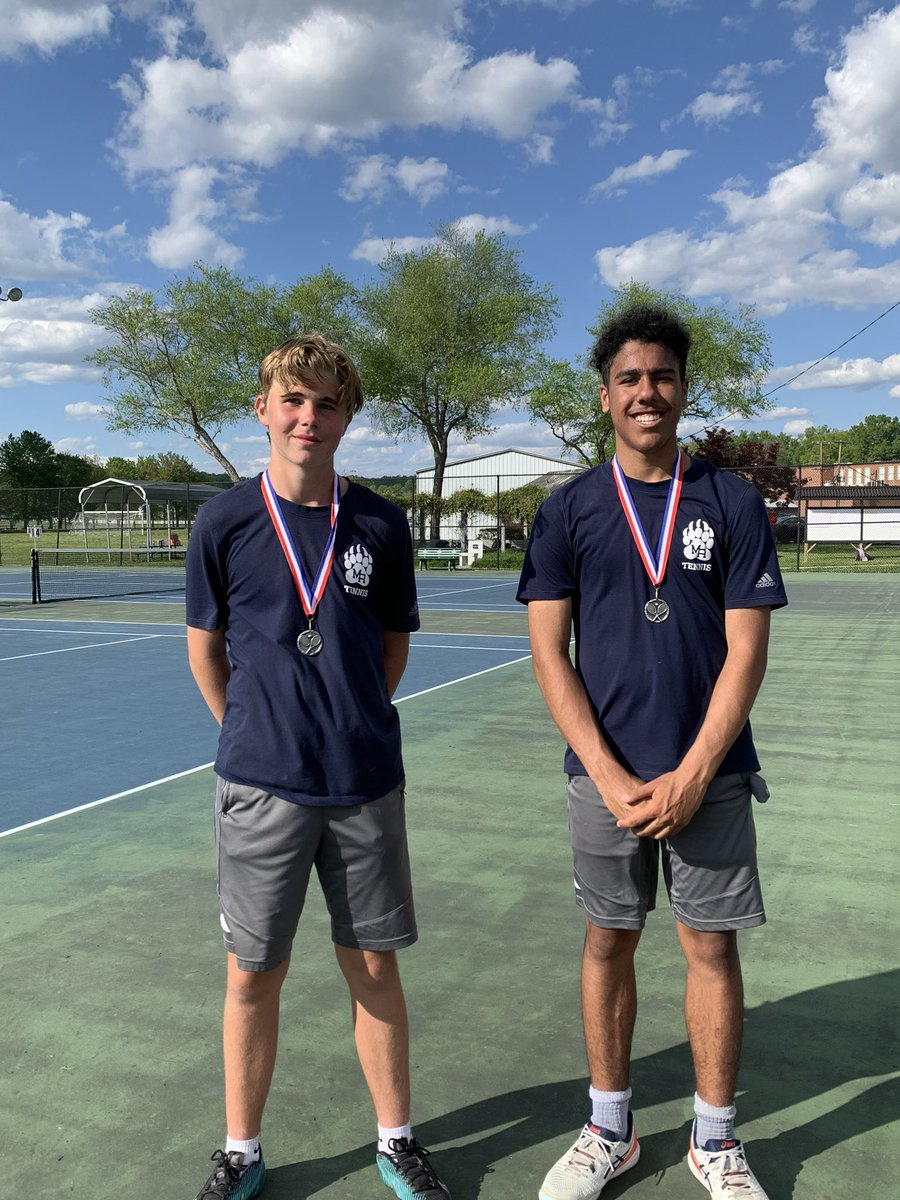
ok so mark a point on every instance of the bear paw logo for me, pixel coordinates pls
(698, 541)
(358, 566)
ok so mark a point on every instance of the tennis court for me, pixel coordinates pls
(112, 963)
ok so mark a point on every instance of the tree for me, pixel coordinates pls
(565, 399)
(27, 461)
(519, 506)
(188, 363)
(728, 362)
(30, 465)
(874, 439)
(466, 502)
(753, 460)
(451, 332)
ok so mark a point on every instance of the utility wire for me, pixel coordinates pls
(793, 378)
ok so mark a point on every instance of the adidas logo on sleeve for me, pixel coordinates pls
(766, 581)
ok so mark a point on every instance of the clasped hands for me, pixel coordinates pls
(658, 808)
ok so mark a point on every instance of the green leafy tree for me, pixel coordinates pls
(187, 362)
(874, 439)
(565, 399)
(429, 507)
(467, 502)
(518, 506)
(27, 460)
(37, 473)
(452, 332)
(728, 362)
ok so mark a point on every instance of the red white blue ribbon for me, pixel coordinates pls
(655, 567)
(310, 598)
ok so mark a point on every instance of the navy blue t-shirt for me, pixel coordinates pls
(650, 684)
(312, 730)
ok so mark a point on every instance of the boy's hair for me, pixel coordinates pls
(640, 323)
(309, 359)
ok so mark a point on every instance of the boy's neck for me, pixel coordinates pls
(307, 486)
(648, 468)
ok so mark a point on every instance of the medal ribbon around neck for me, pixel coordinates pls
(310, 598)
(655, 567)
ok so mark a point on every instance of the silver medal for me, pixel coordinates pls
(309, 642)
(656, 610)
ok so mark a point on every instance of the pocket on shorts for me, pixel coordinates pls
(759, 789)
(225, 796)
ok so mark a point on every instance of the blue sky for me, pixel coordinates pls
(744, 153)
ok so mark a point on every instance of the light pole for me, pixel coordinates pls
(13, 294)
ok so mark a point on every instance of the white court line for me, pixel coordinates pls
(462, 679)
(106, 799)
(193, 770)
(23, 624)
(485, 587)
(141, 637)
(80, 632)
(458, 646)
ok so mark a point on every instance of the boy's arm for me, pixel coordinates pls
(550, 627)
(396, 652)
(210, 667)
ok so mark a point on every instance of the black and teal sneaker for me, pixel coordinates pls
(406, 1169)
(231, 1180)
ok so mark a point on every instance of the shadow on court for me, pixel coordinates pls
(786, 1064)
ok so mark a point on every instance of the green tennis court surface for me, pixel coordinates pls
(112, 962)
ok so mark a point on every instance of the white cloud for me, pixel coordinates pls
(45, 339)
(779, 413)
(54, 246)
(85, 411)
(76, 445)
(190, 234)
(798, 6)
(375, 249)
(647, 167)
(45, 25)
(796, 428)
(785, 245)
(372, 178)
(805, 40)
(710, 108)
(326, 75)
(857, 373)
(282, 77)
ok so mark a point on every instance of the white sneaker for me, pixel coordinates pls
(724, 1172)
(588, 1165)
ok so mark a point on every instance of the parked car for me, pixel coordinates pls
(790, 529)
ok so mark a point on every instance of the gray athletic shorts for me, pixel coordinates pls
(709, 867)
(267, 848)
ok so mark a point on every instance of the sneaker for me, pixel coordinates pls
(722, 1169)
(231, 1180)
(407, 1170)
(588, 1166)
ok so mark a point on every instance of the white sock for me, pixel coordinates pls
(609, 1110)
(713, 1124)
(386, 1135)
(249, 1149)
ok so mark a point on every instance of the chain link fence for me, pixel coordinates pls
(55, 518)
(819, 521)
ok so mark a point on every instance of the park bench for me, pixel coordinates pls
(439, 554)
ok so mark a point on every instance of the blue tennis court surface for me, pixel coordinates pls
(104, 707)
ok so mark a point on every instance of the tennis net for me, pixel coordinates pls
(92, 574)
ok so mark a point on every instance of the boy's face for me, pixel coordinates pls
(305, 420)
(644, 397)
